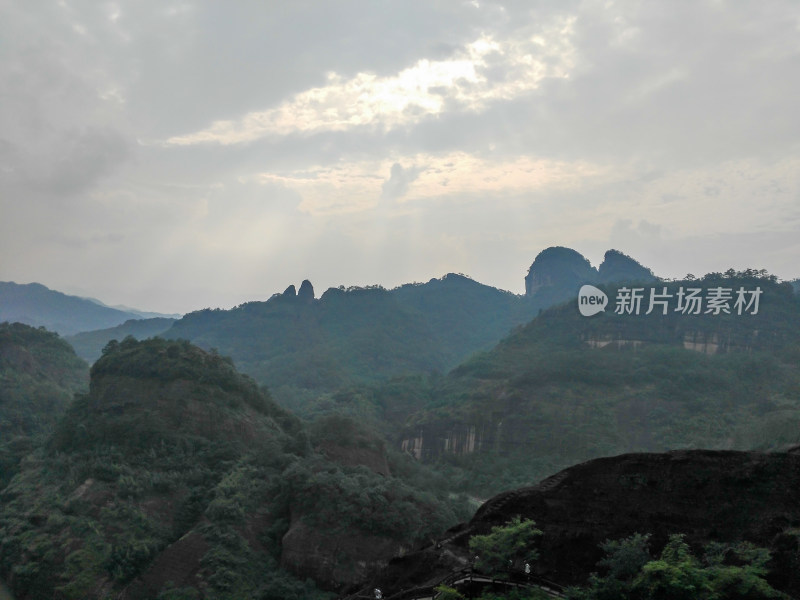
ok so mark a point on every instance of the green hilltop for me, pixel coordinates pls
(177, 477)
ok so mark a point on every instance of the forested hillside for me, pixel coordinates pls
(301, 346)
(39, 374)
(566, 388)
(177, 477)
(89, 344)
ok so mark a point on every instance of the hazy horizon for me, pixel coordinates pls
(318, 291)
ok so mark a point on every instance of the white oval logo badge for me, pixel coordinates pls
(591, 300)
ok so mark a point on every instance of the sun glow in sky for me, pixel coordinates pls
(177, 155)
(426, 89)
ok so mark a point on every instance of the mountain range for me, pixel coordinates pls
(36, 305)
(359, 335)
(288, 447)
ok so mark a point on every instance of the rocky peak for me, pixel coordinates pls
(156, 391)
(617, 266)
(306, 293)
(563, 271)
(558, 267)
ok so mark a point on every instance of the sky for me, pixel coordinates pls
(172, 156)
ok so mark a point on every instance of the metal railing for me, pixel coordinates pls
(469, 576)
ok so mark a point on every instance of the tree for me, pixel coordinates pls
(505, 546)
(743, 580)
(444, 592)
(677, 574)
(625, 558)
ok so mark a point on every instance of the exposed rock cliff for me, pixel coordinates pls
(332, 560)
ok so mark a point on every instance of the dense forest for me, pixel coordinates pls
(172, 453)
(565, 388)
(39, 374)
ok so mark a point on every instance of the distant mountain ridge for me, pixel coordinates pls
(89, 344)
(143, 314)
(362, 335)
(36, 305)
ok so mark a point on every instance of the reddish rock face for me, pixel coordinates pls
(708, 495)
(335, 561)
(374, 460)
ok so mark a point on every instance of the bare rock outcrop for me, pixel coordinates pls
(722, 496)
(335, 561)
(306, 292)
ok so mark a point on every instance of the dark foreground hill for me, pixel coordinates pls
(177, 477)
(710, 496)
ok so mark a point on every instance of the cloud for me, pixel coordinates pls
(397, 185)
(483, 71)
(357, 186)
(78, 160)
(459, 136)
(624, 231)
